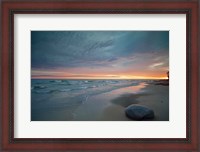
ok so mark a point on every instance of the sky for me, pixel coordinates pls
(99, 54)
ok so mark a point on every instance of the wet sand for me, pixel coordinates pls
(107, 106)
(111, 106)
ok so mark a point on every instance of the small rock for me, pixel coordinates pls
(138, 112)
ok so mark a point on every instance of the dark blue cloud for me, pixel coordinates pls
(64, 49)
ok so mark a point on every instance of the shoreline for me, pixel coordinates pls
(115, 102)
(106, 106)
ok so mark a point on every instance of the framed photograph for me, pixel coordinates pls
(100, 76)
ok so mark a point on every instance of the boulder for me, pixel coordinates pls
(138, 112)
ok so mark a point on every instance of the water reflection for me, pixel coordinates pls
(131, 89)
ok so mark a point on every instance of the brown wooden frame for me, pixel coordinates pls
(11, 7)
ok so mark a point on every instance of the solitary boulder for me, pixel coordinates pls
(138, 112)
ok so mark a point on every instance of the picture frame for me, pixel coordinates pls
(190, 8)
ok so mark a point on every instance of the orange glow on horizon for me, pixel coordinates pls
(85, 73)
(101, 77)
(100, 73)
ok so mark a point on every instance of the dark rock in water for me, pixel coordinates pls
(138, 112)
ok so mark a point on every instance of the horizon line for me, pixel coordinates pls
(101, 79)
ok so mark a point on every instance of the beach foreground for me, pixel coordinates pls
(98, 103)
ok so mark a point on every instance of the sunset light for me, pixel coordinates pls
(100, 55)
(99, 75)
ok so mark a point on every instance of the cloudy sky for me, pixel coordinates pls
(99, 54)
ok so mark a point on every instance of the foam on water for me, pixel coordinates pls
(78, 86)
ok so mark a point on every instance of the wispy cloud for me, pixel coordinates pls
(53, 52)
(156, 65)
